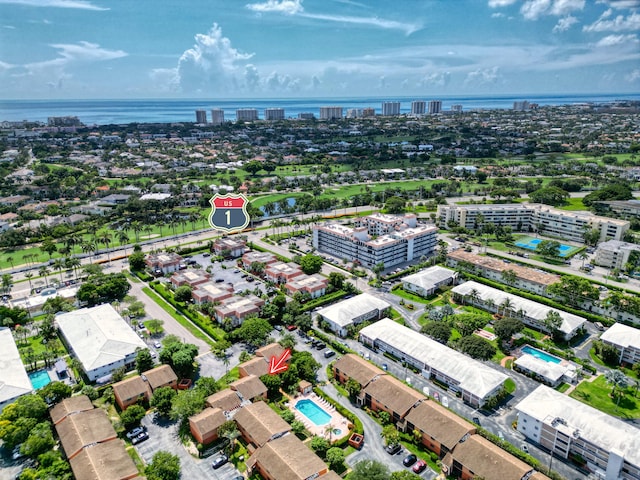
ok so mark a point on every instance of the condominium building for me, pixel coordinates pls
(273, 114)
(14, 381)
(626, 341)
(532, 217)
(217, 116)
(399, 240)
(314, 285)
(235, 309)
(622, 208)
(435, 106)
(616, 254)
(569, 428)
(456, 108)
(246, 114)
(341, 316)
(418, 107)
(521, 106)
(427, 281)
(368, 112)
(306, 116)
(390, 108)
(201, 116)
(330, 113)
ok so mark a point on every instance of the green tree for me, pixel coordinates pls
(390, 435)
(229, 430)
(40, 440)
(405, 475)
(311, 264)
(164, 466)
(395, 205)
(439, 331)
(549, 196)
(49, 247)
(252, 167)
(187, 403)
(506, 327)
(54, 392)
(552, 322)
(132, 415)
(183, 293)
(144, 361)
(476, 347)
(353, 387)
(161, 400)
(155, 326)
(320, 445)
(369, 470)
(207, 385)
(287, 341)
(297, 427)
(548, 248)
(136, 261)
(619, 381)
(253, 331)
(574, 290)
(273, 384)
(335, 457)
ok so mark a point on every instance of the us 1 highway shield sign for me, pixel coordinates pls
(229, 213)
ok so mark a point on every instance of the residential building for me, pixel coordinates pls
(351, 366)
(70, 406)
(418, 107)
(341, 316)
(246, 115)
(527, 311)
(201, 116)
(626, 341)
(628, 209)
(549, 373)
(390, 109)
(254, 256)
(273, 114)
(280, 272)
(165, 262)
(190, 278)
(130, 391)
(314, 285)
(249, 388)
(235, 309)
(217, 116)
(616, 254)
(100, 339)
(211, 292)
(160, 376)
(14, 381)
(435, 106)
(406, 241)
(385, 393)
(306, 116)
(83, 429)
(521, 106)
(525, 217)
(426, 282)
(226, 400)
(104, 461)
(569, 428)
(330, 113)
(204, 425)
(476, 382)
(229, 247)
(524, 278)
(259, 424)
(259, 365)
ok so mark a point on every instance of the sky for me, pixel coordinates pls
(231, 49)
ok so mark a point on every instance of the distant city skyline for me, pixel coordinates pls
(67, 49)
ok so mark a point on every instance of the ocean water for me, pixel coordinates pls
(104, 112)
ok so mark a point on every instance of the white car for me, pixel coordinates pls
(157, 344)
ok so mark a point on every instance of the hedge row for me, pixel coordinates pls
(323, 300)
(262, 249)
(357, 424)
(337, 346)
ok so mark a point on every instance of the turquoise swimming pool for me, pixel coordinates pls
(313, 412)
(542, 355)
(39, 379)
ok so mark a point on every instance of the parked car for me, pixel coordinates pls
(219, 461)
(409, 460)
(136, 431)
(321, 346)
(476, 420)
(140, 438)
(329, 353)
(420, 466)
(157, 344)
(393, 448)
(524, 447)
(291, 328)
(206, 254)
(278, 328)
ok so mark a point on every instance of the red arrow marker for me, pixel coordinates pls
(278, 364)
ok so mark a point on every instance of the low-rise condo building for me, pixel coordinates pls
(626, 341)
(314, 285)
(426, 282)
(14, 381)
(341, 316)
(616, 254)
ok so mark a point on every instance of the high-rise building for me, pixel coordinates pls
(418, 107)
(246, 115)
(217, 116)
(201, 116)
(390, 108)
(274, 114)
(69, 121)
(330, 113)
(354, 112)
(435, 106)
(306, 116)
(456, 108)
(368, 112)
(521, 106)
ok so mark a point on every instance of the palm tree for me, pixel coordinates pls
(58, 264)
(123, 239)
(73, 263)
(44, 271)
(10, 260)
(137, 227)
(105, 238)
(583, 256)
(619, 381)
(7, 282)
(506, 305)
(29, 276)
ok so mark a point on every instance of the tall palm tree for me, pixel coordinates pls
(73, 263)
(137, 227)
(10, 260)
(58, 264)
(105, 238)
(44, 271)
(29, 276)
(506, 305)
(7, 282)
(123, 239)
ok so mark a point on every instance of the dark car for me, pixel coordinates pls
(409, 460)
(140, 438)
(419, 466)
(206, 254)
(393, 448)
(219, 461)
(476, 420)
(219, 280)
(136, 431)
(321, 346)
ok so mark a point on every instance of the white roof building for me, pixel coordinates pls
(626, 340)
(14, 381)
(476, 381)
(352, 312)
(549, 372)
(427, 281)
(558, 422)
(100, 339)
(529, 312)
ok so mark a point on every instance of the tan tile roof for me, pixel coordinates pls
(439, 423)
(207, 421)
(225, 400)
(249, 387)
(357, 368)
(84, 428)
(287, 458)
(260, 422)
(104, 461)
(130, 388)
(394, 394)
(69, 406)
(268, 351)
(257, 366)
(160, 376)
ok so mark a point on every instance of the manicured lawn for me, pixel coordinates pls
(597, 394)
(573, 204)
(409, 296)
(263, 200)
(563, 387)
(510, 385)
(533, 333)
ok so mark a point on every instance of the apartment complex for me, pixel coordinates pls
(567, 427)
(235, 309)
(330, 113)
(622, 208)
(427, 281)
(353, 311)
(435, 106)
(616, 254)
(376, 239)
(390, 109)
(201, 116)
(530, 217)
(246, 114)
(217, 116)
(14, 381)
(273, 114)
(626, 341)
(418, 107)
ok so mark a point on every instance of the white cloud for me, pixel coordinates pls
(618, 24)
(534, 9)
(498, 15)
(565, 24)
(634, 76)
(78, 4)
(287, 7)
(86, 51)
(501, 3)
(621, 4)
(435, 80)
(483, 76)
(612, 40)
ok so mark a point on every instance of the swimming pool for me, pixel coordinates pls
(532, 243)
(542, 355)
(313, 412)
(39, 379)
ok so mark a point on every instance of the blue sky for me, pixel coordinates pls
(54, 49)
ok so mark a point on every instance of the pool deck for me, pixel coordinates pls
(337, 421)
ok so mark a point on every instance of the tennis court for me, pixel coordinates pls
(531, 243)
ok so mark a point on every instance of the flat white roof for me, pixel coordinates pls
(549, 370)
(609, 433)
(343, 313)
(471, 375)
(538, 311)
(622, 335)
(98, 335)
(429, 277)
(14, 380)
